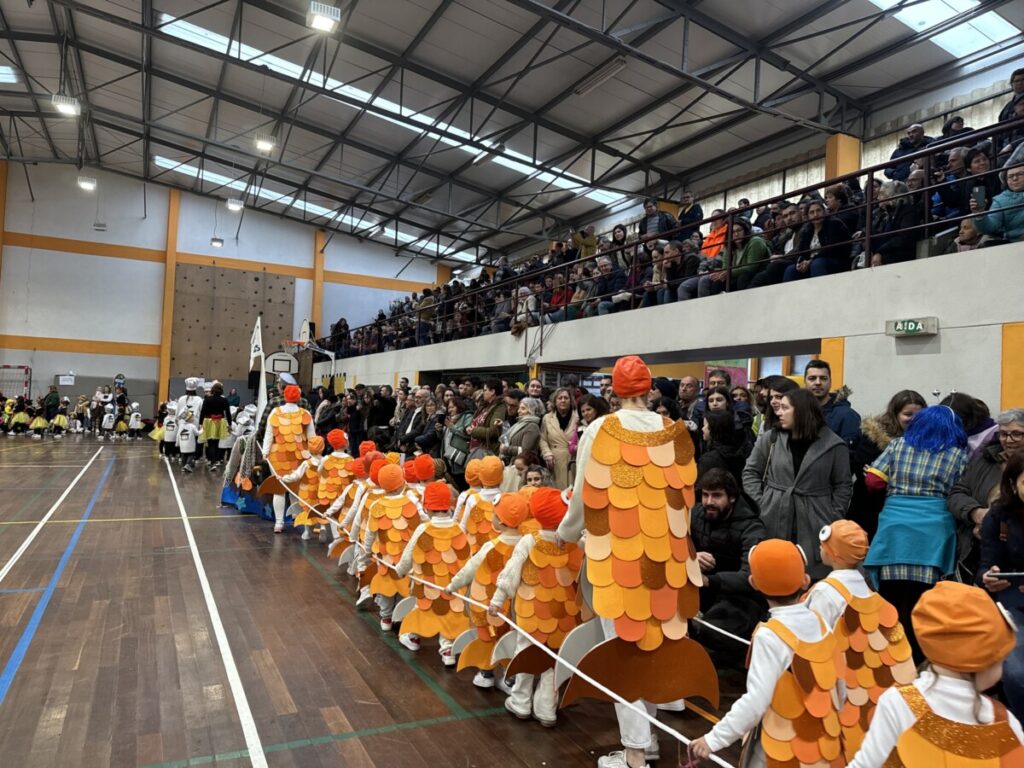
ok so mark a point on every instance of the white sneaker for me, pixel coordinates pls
(679, 705)
(409, 641)
(614, 760)
(501, 685)
(480, 680)
(305, 533)
(364, 597)
(386, 624)
(447, 657)
(278, 527)
(512, 710)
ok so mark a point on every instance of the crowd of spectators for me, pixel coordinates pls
(964, 192)
(782, 459)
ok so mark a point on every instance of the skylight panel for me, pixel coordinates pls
(962, 39)
(8, 74)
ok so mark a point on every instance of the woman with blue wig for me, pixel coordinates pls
(916, 541)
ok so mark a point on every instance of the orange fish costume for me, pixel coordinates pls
(941, 719)
(307, 476)
(335, 471)
(634, 489)
(436, 552)
(867, 628)
(289, 427)
(476, 514)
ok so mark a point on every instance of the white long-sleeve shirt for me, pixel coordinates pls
(487, 494)
(950, 697)
(465, 577)
(438, 521)
(512, 573)
(460, 503)
(298, 472)
(824, 600)
(572, 524)
(770, 657)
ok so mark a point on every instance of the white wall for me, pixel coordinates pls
(46, 365)
(962, 290)
(356, 304)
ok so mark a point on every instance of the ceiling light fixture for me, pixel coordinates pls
(265, 142)
(603, 75)
(235, 204)
(88, 183)
(8, 74)
(323, 17)
(66, 105)
(499, 149)
(217, 242)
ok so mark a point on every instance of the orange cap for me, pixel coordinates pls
(511, 509)
(959, 627)
(473, 473)
(375, 469)
(437, 497)
(409, 470)
(425, 468)
(366, 446)
(337, 438)
(777, 567)
(390, 478)
(548, 507)
(491, 471)
(631, 377)
(292, 394)
(315, 444)
(845, 541)
(358, 469)
(371, 457)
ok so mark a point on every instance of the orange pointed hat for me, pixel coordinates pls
(473, 473)
(292, 394)
(631, 377)
(337, 439)
(845, 542)
(315, 444)
(512, 509)
(366, 447)
(375, 469)
(409, 470)
(777, 567)
(960, 627)
(358, 470)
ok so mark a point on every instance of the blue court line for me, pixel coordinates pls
(13, 663)
(21, 591)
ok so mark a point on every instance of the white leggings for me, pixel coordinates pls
(634, 731)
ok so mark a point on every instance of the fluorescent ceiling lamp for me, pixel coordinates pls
(323, 17)
(515, 161)
(602, 76)
(265, 143)
(8, 74)
(66, 105)
(235, 205)
(962, 39)
(88, 183)
(356, 219)
(217, 242)
(498, 150)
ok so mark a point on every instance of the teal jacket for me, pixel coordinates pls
(753, 258)
(1007, 224)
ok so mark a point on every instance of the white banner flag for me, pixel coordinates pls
(256, 353)
(256, 343)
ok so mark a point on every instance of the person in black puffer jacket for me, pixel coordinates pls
(723, 446)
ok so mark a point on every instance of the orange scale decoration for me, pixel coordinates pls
(630, 548)
(541, 584)
(626, 573)
(623, 498)
(656, 477)
(635, 455)
(598, 475)
(439, 613)
(654, 522)
(624, 523)
(630, 630)
(663, 455)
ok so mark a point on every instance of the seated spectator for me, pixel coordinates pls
(824, 247)
(524, 309)
(1017, 85)
(914, 141)
(501, 319)
(585, 242)
(656, 283)
(764, 217)
(655, 222)
(784, 245)
(582, 290)
(620, 239)
(837, 201)
(1016, 137)
(715, 241)
(611, 281)
(724, 526)
(748, 255)
(893, 244)
(950, 198)
(976, 183)
(684, 263)
(954, 126)
(1005, 218)
(748, 213)
(968, 238)
(690, 216)
(559, 301)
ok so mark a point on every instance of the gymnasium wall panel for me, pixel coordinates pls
(46, 364)
(356, 304)
(303, 305)
(346, 254)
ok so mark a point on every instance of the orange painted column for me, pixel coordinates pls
(1012, 365)
(319, 240)
(833, 352)
(842, 155)
(167, 316)
(3, 210)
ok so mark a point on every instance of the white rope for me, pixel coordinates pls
(558, 660)
(720, 631)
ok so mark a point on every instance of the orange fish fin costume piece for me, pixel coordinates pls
(801, 726)
(439, 554)
(877, 656)
(335, 477)
(935, 742)
(638, 488)
(479, 526)
(489, 629)
(309, 485)
(288, 449)
(392, 519)
(547, 604)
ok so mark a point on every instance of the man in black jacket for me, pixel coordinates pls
(655, 222)
(914, 141)
(724, 526)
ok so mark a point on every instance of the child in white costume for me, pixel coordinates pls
(107, 424)
(134, 422)
(189, 405)
(169, 443)
(188, 442)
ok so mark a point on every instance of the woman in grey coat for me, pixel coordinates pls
(799, 475)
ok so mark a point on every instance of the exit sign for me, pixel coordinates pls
(912, 326)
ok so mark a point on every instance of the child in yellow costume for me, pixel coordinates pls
(481, 575)
(942, 718)
(541, 575)
(335, 475)
(866, 626)
(472, 476)
(479, 507)
(633, 494)
(289, 427)
(342, 505)
(359, 527)
(437, 550)
(792, 680)
(392, 519)
(307, 476)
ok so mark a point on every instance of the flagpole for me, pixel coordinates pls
(256, 352)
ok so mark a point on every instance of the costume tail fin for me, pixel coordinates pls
(529, 661)
(677, 669)
(272, 487)
(476, 655)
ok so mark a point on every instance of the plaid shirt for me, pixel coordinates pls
(913, 472)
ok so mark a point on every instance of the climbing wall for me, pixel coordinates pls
(214, 313)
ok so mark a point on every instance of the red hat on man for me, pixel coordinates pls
(437, 497)
(337, 438)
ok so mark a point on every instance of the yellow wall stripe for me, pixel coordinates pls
(81, 346)
(163, 380)
(833, 352)
(370, 281)
(253, 266)
(85, 247)
(1012, 385)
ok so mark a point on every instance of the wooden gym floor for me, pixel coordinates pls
(110, 656)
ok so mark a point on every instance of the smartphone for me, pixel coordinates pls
(1012, 577)
(980, 196)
